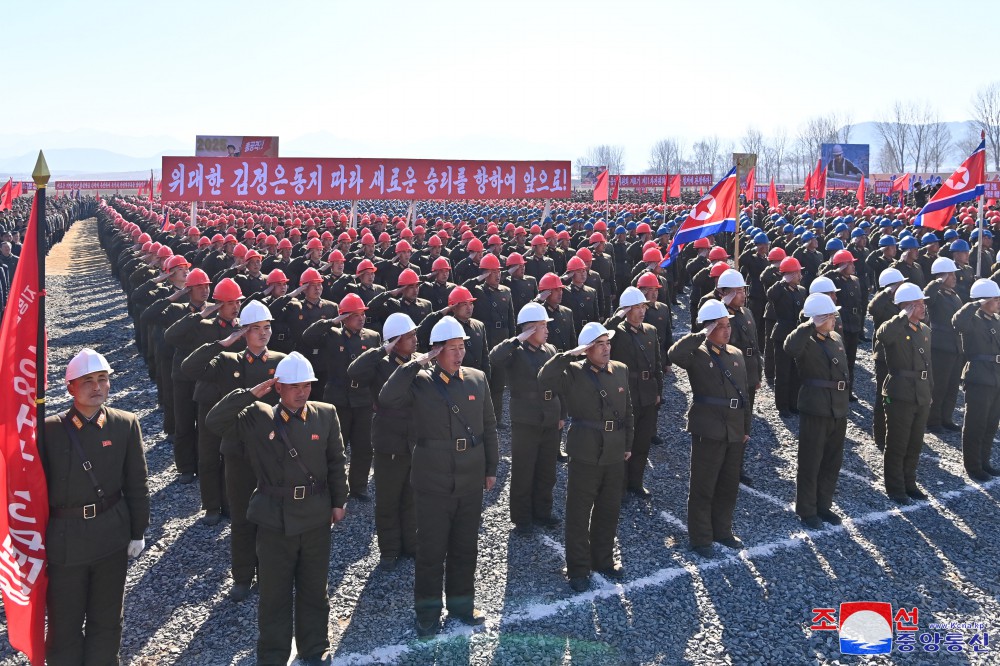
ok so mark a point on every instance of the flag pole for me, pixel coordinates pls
(736, 223)
(979, 216)
(607, 201)
(41, 177)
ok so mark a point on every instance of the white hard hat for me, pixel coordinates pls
(822, 285)
(591, 331)
(818, 304)
(397, 324)
(890, 276)
(984, 288)
(254, 312)
(712, 310)
(532, 312)
(631, 296)
(448, 328)
(294, 369)
(86, 362)
(908, 292)
(943, 265)
(731, 279)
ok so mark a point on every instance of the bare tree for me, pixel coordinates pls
(607, 155)
(817, 131)
(919, 129)
(938, 145)
(967, 143)
(986, 112)
(753, 141)
(886, 159)
(846, 124)
(705, 155)
(666, 156)
(893, 127)
(775, 154)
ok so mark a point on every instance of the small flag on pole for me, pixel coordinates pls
(601, 188)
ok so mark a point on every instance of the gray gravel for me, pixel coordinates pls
(752, 608)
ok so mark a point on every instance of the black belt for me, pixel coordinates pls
(986, 358)
(748, 351)
(825, 383)
(605, 426)
(462, 444)
(644, 375)
(295, 493)
(912, 374)
(86, 512)
(544, 395)
(731, 403)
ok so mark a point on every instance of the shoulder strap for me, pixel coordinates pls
(279, 426)
(452, 407)
(638, 345)
(74, 439)
(725, 372)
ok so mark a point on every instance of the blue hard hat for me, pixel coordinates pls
(960, 245)
(909, 243)
(627, 214)
(864, 224)
(818, 224)
(929, 238)
(560, 227)
(840, 227)
(670, 225)
(745, 224)
(775, 217)
(787, 228)
(808, 236)
(798, 230)
(589, 226)
(887, 241)
(849, 219)
(631, 226)
(619, 229)
(834, 244)
(855, 233)
(950, 234)
(896, 224)
(884, 222)
(662, 230)
(761, 239)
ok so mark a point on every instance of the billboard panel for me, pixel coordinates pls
(236, 146)
(846, 164)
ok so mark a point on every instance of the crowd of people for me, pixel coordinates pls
(297, 352)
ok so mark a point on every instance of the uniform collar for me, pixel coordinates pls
(79, 420)
(287, 414)
(596, 370)
(397, 359)
(714, 348)
(223, 323)
(445, 377)
(251, 358)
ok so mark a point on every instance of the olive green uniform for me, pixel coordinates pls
(718, 421)
(942, 305)
(980, 337)
(456, 449)
(87, 537)
(824, 404)
(600, 434)
(882, 309)
(907, 389)
(292, 509)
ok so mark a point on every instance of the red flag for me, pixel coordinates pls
(749, 192)
(901, 184)
(701, 191)
(808, 186)
(819, 179)
(614, 193)
(150, 185)
(6, 200)
(16, 190)
(22, 479)
(666, 188)
(601, 188)
(675, 185)
(861, 192)
(772, 195)
(965, 184)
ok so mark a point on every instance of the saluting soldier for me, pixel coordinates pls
(455, 458)
(637, 346)
(596, 393)
(395, 515)
(908, 388)
(228, 371)
(460, 303)
(523, 288)
(562, 331)
(437, 288)
(403, 298)
(581, 299)
(882, 309)
(719, 423)
(536, 421)
(943, 302)
(851, 300)
(821, 358)
(95, 470)
(978, 325)
(297, 454)
(786, 298)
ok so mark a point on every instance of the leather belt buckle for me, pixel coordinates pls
(315, 352)
(461, 445)
(299, 492)
(749, 351)
(842, 385)
(609, 426)
(89, 511)
(734, 403)
(499, 324)
(645, 374)
(923, 374)
(354, 384)
(547, 395)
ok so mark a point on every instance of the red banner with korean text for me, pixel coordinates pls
(62, 185)
(311, 179)
(656, 180)
(22, 479)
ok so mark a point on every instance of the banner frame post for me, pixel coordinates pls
(41, 177)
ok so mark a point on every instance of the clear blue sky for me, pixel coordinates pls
(507, 79)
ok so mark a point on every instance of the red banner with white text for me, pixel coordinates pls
(310, 179)
(22, 479)
(655, 180)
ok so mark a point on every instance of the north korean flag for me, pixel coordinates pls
(963, 185)
(716, 212)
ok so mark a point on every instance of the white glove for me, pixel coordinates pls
(135, 547)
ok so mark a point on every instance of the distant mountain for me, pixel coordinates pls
(79, 162)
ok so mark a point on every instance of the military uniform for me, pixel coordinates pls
(383, 305)
(522, 290)
(562, 331)
(942, 305)
(583, 303)
(823, 402)
(225, 371)
(911, 272)
(851, 300)
(882, 309)
(600, 434)
(296, 315)
(88, 532)
(768, 278)
(495, 308)
(437, 293)
(718, 421)
(786, 303)
(456, 449)
(292, 509)
(907, 389)
(535, 431)
(980, 338)
(477, 353)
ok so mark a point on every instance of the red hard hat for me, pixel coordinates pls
(218, 238)
(562, 235)
(403, 246)
(336, 255)
(384, 237)
(252, 254)
(550, 281)
(240, 251)
(277, 276)
(230, 239)
(842, 257)
(270, 240)
(489, 262)
(585, 254)
(460, 295)
(776, 254)
(718, 269)
(326, 235)
(475, 245)
(365, 265)
(164, 252)
(193, 231)
(468, 235)
(249, 235)
(539, 240)
(434, 241)
(601, 226)
(648, 280)
(718, 254)
(295, 232)
(789, 265)
(494, 240)
(652, 255)
(407, 277)
(204, 241)
(310, 276)
(575, 264)
(227, 290)
(367, 239)
(143, 238)
(701, 244)
(344, 237)
(597, 237)
(352, 303)
(175, 261)
(441, 264)
(515, 259)
(284, 244)
(197, 277)
(314, 244)
(520, 231)
(643, 228)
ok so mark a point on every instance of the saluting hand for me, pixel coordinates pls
(298, 290)
(445, 310)
(233, 337)
(263, 388)
(628, 454)
(390, 344)
(526, 333)
(579, 351)
(209, 310)
(425, 359)
(179, 294)
(396, 292)
(341, 317)
(270, 288)
(161, 278)
(542, 297)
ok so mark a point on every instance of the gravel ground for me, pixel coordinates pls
(741, 608)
